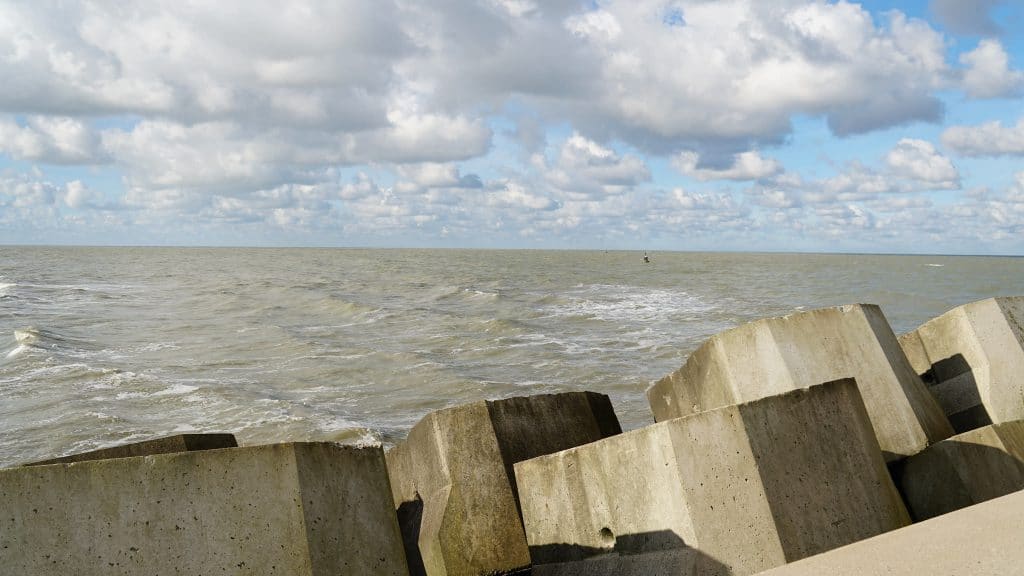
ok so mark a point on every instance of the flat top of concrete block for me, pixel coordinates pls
(165, 445)
(981, 540)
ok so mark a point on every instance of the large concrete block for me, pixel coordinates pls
(454, 485)
(972, 358)
(314, 509)
(775, 355)
(166, 445)
(730, 491)
(966, 469)
(982, 540)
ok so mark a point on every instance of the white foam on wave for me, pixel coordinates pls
(935, 265)
(631, 304)
(174, 390)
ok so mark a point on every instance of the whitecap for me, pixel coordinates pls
(935, 265)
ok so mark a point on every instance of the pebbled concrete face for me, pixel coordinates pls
(167, 445)
(982, 540)
(972, 358)
(776, 355)
(453, 484)
(312, 509)
(966, 469)
(734, 490)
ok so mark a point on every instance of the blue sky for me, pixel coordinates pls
(662, 125)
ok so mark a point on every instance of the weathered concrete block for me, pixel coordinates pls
(453, 482)
(972, 358)
(775, 355)
(731, 491)
(167, 445)
(305, 508)
(982, 540)
(966, 469)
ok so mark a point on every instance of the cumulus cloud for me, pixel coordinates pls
(746, 166)
(918, 160)
(740, 69)
(988, 73)
(989, 139)
(51, 139)
(584, 167)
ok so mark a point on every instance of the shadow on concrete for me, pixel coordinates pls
(952, 382)
(954, 475)
(644, 553)
(410, 514)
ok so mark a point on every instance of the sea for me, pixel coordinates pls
(103, 346)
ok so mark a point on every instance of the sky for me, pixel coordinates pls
(734, 125)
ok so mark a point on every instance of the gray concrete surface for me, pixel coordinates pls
(313, 509)
(453, 483)
(166, 445)
(966, 469)
(775, 355)
(972, 358)
(733, 490)
(982, 540)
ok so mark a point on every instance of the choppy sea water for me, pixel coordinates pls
(100, 346)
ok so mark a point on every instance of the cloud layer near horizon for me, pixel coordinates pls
(495, 122)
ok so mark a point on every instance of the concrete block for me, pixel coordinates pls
(966, 469)
(972, 358)
(731, 491)
(167, 445)
(775, 355)
(312, 509)
(982, 540)
(454, 485)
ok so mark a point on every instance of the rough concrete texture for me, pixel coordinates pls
(982, 540)
(972, 358)
(453, 483)
(292, 509)
(775, 355)
(966, 469)
(167, 445)
(732, 491)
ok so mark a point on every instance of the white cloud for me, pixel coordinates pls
(584, 167)
(989, 139)
(988, 73)
(919, 160)
(51, 139)
(746, 166)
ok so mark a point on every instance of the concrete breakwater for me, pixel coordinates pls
(802, 444)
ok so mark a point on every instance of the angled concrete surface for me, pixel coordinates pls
(966, 469)
(453, 482)
(166, 445)
(307, 509)
(972, 358)
(982, 540)
(775, 355)
(733, 490)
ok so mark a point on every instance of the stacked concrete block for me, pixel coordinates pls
(734, 490)
(775, 355)
(166, 445)
(453, 482)
(966, 469)
(982, 540)
(972, 357)
(299, 509)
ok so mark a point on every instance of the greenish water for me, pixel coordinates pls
(105, 345)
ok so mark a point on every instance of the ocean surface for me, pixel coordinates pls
(100, 346)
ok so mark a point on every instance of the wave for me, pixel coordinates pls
(631, 304)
